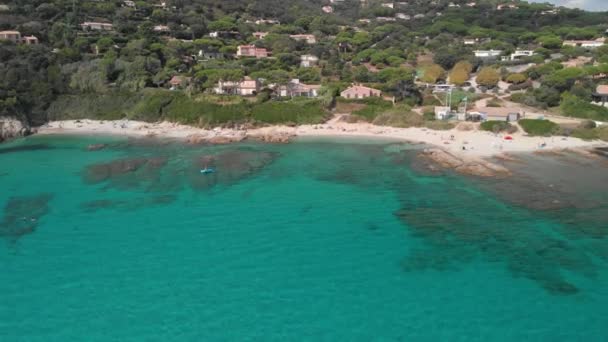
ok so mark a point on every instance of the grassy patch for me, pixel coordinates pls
(439, 125)
(539, 127)
(290, 112)
(401, 116)
(373, 106)
(497, 126)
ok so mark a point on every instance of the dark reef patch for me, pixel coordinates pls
(127, 173)
(127, 205)
(453, 237)
(231, 166)
(22, 214)
(25, 148)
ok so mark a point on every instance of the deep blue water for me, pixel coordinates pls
(314, 240)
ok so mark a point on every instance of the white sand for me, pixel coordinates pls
(476, 143)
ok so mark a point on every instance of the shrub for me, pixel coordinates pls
(587, 124)
(520, 86)
(488, 77)
(539, 127)
(516, 78)
(497, 126)
(494, 103)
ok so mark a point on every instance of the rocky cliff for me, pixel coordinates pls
(12, 128)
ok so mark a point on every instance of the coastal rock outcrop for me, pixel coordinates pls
(12, 128)
(274, 138)
(215, 139)
(469, 166)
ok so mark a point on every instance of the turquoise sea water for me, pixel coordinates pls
(316, 240)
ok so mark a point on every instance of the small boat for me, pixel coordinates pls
(207, 170)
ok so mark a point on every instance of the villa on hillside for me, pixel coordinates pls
(518, 54)
(15, 37)
(246, 87)
(177, 82)
(487, 53)
(251, 51)
(307, 61)
(297, 89)
(260, 35)
(96, 26)
(161, 29)
(588, 44)
(308, 38)
(601, 94)
(360, 92)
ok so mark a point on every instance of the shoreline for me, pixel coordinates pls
(464, 144)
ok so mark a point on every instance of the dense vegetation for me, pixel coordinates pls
(118, 73)
(539, 127)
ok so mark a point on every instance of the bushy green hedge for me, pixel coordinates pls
(152, 105)
(204, 113)
(92, 106)
(539, 127)
(292, 112)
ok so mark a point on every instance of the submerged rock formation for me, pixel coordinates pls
(12, 128)
(469, 166)
(21, 215)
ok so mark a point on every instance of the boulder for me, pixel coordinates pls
(12, 128)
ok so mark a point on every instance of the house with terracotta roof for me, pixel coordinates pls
(601, 94)
(13, 36)
(30, 40)
(360, 92)
(251, 51)
(177, 82)
(246, 87)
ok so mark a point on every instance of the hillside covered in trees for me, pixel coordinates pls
(155, 60)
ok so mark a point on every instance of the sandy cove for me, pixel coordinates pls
(464, 150)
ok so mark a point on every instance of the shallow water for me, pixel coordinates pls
(316, 240)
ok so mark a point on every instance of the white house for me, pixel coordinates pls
(245, 87)
(297, 89)
(588, 44)
(307, 61)
(518, 54)
(487, 53)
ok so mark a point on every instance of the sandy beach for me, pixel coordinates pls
(472, 143)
